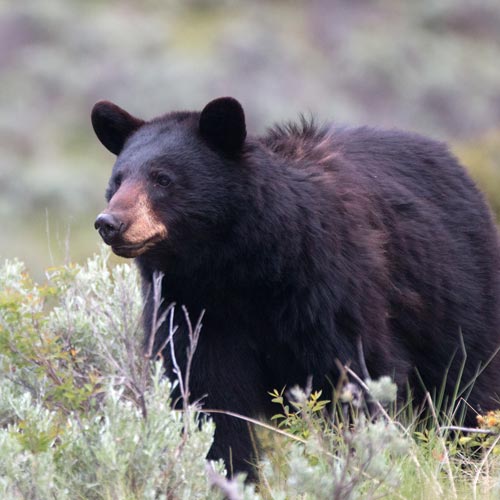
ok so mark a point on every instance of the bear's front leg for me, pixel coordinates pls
(235, 443)
(226, 376)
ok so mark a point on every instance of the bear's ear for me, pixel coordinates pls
(222, 124)
(113, 125)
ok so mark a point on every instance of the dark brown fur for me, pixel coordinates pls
(302, 242)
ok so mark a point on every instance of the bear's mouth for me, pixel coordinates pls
(131, 250)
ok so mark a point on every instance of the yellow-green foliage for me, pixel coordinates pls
(488, 437)
(482, 158)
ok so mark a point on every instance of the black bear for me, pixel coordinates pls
(302, 246)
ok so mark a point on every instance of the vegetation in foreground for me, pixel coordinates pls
(83, 414)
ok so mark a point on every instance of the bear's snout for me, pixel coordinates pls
(109, 227)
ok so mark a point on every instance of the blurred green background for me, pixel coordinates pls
(427, 66)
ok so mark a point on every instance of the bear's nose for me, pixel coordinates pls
(109, 226)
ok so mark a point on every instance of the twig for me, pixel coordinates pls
(177, 371)
(194, 336)
(377, 403)
(255, 422)
(473, 430)
(362, 361)
(157, 320)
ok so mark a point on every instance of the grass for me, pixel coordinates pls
(84, 414)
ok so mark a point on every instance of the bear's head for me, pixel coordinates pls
(176, 178)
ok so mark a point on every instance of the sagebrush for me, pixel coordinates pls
(84, 414)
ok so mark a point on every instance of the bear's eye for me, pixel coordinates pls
(161, 179)
(118, 180)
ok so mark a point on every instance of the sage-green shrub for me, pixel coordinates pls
(84, 415)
